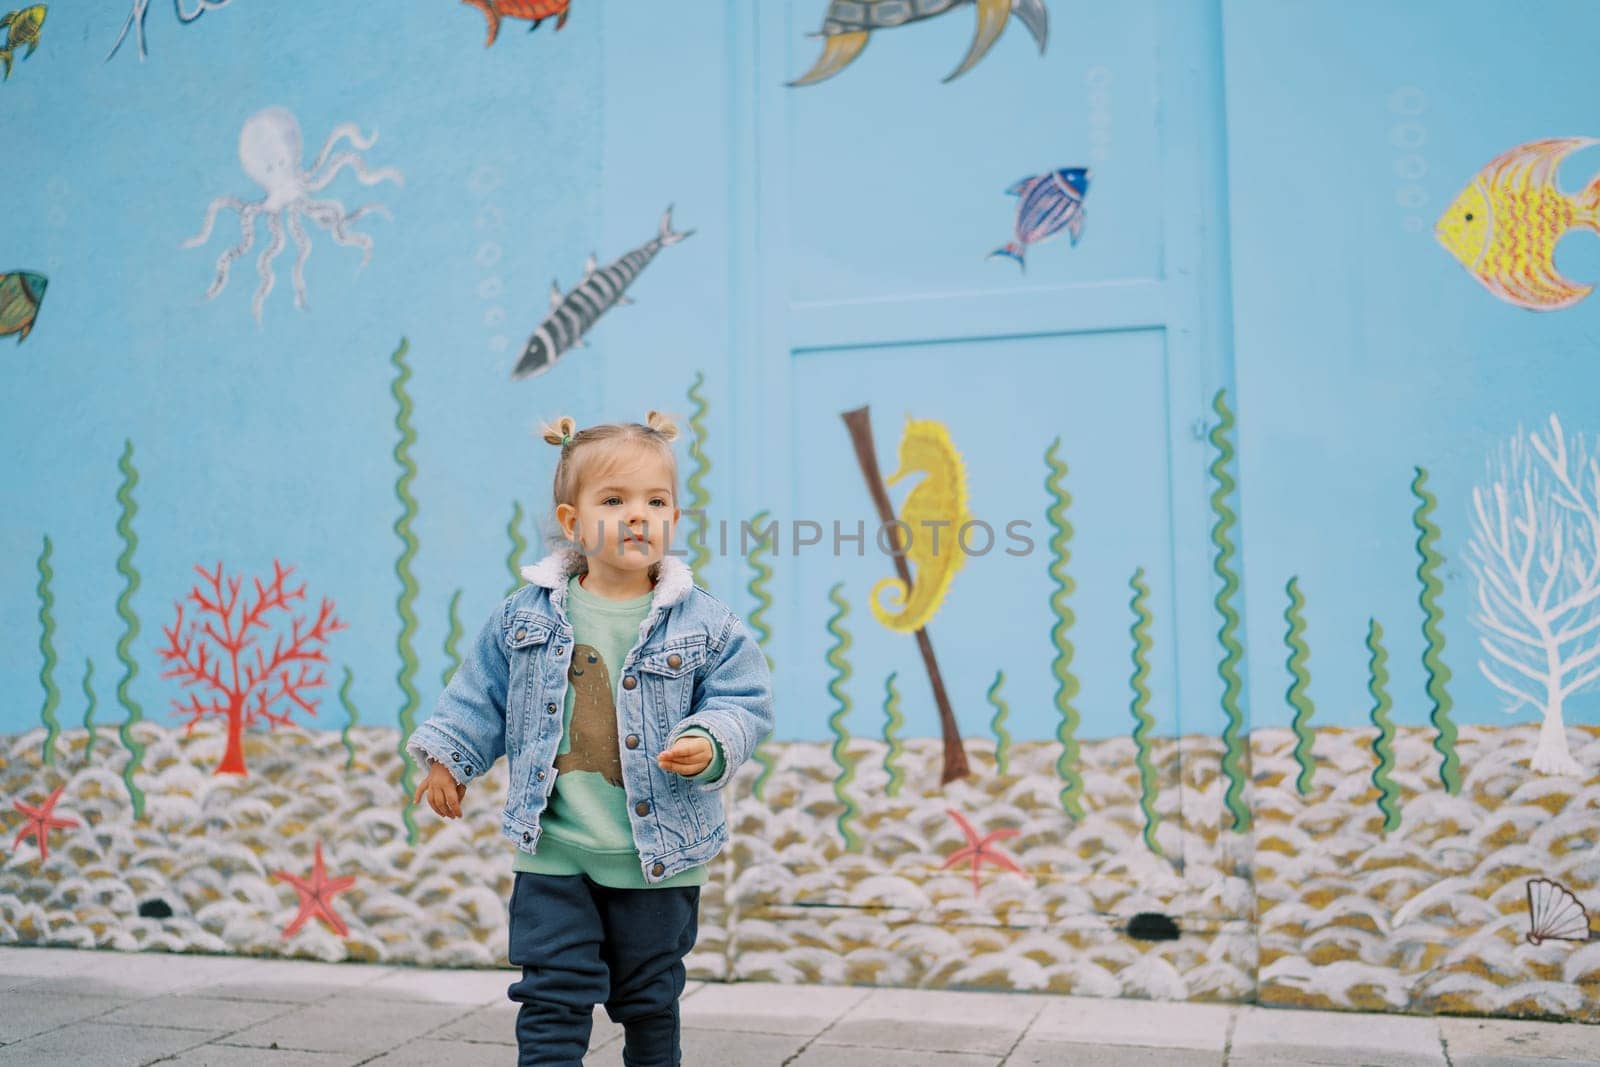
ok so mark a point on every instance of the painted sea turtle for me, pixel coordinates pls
(848, 24)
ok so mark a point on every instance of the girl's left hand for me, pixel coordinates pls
(688, 757)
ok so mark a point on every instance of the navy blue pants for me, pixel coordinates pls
(580, 944)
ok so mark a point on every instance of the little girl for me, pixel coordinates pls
(624, 698)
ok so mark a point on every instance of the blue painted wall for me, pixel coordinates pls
(1258, 167)
(1363, 349)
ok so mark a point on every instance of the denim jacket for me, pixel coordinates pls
(695, 664)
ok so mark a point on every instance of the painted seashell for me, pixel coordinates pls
(1554, 913)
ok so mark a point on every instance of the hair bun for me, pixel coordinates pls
(662, 425)
(561, 431)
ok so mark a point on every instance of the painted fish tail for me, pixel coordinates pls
(667, 236)
(1588, 204)
(5, 57)
(1012, 250)
(490, 13)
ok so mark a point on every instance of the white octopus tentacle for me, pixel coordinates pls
(211, 218)
(264, 264)
(303, 243)
(344, 130)
(331, 216)
(314, 183)
(202, 7)
(247, 226)
(136, 23)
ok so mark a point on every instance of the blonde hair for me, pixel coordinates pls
(583, 452)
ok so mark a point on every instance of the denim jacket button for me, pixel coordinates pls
(560, 649)
(522, 632)
(527, 837)
(632, 741)
(630, 682)
(659, 869)
(456, 756)
(550, 707)
(643, 807)
(540, 776)
(674, 661)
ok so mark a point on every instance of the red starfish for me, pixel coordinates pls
(41, 821)
(978, 851)
(316, 897)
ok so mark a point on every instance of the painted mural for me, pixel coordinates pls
(135, 21)
(1047, 204)
(601, 288)
(22, 29)
(270, 150)
(1504, 226)
(938, 499)
(534, 11)
(849, 23)
(21, 293)
(1251, 704)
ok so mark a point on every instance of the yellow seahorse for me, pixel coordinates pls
(925, 447)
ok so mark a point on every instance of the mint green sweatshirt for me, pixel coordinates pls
(586, 826)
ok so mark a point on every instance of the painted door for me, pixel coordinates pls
(1055, 408)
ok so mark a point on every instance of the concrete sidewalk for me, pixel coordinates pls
(62, 1006)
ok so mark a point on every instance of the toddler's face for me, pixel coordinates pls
(624, 516)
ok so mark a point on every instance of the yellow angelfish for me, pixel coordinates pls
(925, 446)
(1504, 226)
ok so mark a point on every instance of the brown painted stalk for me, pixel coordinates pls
(859, 422)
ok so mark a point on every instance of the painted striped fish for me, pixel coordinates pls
(572, 315)
(1046, 205)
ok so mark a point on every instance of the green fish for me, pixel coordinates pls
(24, 30)
(21, 293)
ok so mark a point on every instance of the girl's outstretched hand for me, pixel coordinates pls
(443, 793)
(688, 757)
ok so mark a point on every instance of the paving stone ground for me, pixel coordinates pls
(61, 1007)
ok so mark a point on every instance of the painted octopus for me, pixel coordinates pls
(270, 149)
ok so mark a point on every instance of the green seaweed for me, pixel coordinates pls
(1140, 708)
(1299, 692)
(1428, 564)
(130, 629)
(836, 725)
(47, 649)
(893, 721)
(519, 548)
(452, 639)
(1002, 736)
(406, 602)
(1383, 744)
(757, 587)
(699, 495)
(1061, 666)
(1235, 754)
(88, 711)
(351, 717)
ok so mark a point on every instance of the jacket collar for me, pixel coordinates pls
(674, 579)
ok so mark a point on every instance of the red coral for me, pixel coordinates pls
(223, 657)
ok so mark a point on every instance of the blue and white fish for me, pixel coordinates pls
(1047, 204)
(572, 315)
